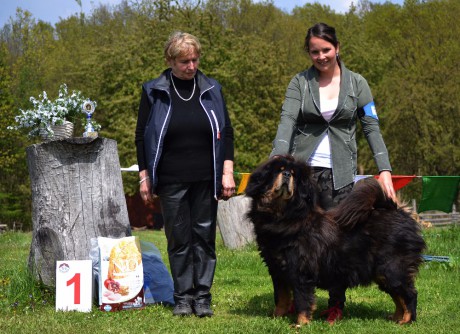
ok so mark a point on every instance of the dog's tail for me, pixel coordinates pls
(367, 195)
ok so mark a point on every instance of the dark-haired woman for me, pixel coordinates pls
(318, 125)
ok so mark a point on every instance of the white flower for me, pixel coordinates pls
(46, 112)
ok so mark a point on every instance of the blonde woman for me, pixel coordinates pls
(184, 141)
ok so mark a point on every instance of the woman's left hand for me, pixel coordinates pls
(228, 182)
(386, 182)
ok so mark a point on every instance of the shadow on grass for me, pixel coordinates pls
(367, 311)
(263, 305)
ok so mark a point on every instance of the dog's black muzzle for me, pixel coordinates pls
(286, 176)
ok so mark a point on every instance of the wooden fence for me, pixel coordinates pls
(440, 218)
(437, 218)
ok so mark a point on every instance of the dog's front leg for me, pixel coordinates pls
(305, 303)
(283, 299)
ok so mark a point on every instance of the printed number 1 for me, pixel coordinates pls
(75, 280)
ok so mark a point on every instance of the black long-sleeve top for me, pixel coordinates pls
(187, 154)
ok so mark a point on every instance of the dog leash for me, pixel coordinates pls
(434, 258)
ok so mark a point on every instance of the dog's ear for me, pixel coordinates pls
(259, 178)
(252, 188)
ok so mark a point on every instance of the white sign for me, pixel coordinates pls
(74, 285)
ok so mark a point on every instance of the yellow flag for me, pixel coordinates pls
(244, 182)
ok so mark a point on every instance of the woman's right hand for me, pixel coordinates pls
(145, 189)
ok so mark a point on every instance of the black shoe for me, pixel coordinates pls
(182, 309)
(203, 310)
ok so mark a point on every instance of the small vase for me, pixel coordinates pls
(61, 131)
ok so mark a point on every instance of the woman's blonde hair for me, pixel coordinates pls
(181, 44)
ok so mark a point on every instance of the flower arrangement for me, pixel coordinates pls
(46, 113)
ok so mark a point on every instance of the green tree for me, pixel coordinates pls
(407, 53)
(420, 89)
(14, 190)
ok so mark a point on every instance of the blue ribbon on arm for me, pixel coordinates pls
(369, 110)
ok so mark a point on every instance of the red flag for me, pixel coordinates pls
(400, 181)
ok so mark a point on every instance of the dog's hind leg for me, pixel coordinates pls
(405, 311)
(399, 310)
(405, 298)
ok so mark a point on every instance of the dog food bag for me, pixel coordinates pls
(121, 277)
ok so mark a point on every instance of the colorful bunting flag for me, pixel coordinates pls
(360, 177)
(243, 183)
(439, 193)
(400, 181)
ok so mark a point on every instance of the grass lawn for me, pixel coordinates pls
(242, 298)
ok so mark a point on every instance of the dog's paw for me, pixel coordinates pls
(333, 314)
(279, 312)
(303, 319)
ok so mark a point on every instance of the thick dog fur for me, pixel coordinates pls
(367, 238)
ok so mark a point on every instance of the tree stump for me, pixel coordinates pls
(77, 194)
(236, 230)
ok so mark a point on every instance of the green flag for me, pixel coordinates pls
(439, 193)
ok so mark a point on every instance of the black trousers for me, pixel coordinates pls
(328, 196)
(189, 213)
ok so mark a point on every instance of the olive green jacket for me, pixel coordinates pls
(302, 126)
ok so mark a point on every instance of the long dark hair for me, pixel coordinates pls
(323, 31)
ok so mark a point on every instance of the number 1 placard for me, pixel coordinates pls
(74, 285)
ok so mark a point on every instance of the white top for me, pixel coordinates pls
(321, 157)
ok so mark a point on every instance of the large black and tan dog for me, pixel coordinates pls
(367, 238)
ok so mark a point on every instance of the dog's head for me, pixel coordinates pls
(282, 184)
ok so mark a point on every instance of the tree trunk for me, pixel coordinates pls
(77, 194)
(236, 230)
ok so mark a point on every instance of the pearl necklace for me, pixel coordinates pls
(193, 92)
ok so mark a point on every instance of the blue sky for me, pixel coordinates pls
(52, 10)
